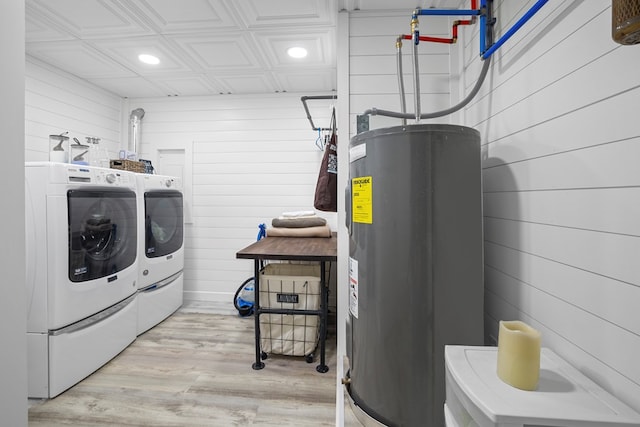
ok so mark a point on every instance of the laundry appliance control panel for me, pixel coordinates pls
(99, 176)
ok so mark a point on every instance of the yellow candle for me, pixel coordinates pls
(518, 354)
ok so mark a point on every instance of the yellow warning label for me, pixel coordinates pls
(362, 202)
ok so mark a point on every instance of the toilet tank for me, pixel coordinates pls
(476, 397)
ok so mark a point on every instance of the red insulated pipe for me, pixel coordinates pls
(454, 30)
(428, 39)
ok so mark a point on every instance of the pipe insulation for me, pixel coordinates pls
(474, 91)
(483, 73)
(511, 31)
(403, 102)
(487, 20)
(416, 82)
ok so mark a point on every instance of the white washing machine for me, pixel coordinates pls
(160, 248)
(81, 243)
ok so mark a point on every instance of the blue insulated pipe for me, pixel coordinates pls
(448, 12)
(483, 26)
(486, 37)
(535, 8)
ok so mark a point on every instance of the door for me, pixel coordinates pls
(172, 162)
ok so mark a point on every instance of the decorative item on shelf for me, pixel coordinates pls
(625, 17)
(59, 148)
(128, 165)
(148, 167)
(127, 155)
(79, 153)
(519, 354)
(97, 153)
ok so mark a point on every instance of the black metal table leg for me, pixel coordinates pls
(292, 249)
(324, 299)
(258, 364)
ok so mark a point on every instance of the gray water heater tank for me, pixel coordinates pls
(414, 213)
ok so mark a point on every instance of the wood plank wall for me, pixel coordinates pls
(373, 66)
(560, 139)
(558, 119)
(561, 143)
(56, 102)
(254, 157)
(13, 371)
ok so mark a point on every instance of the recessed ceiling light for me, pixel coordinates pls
(297, 52)
(149, 59)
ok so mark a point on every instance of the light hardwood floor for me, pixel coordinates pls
(194, 369)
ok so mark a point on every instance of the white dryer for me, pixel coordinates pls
(160, 248)
(81, 242)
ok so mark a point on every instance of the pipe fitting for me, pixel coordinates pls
(415, 31)
(414, 24)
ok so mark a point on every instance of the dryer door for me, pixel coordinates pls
(102, 232)
(163, 222)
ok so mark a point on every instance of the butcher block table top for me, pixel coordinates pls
(292, 248)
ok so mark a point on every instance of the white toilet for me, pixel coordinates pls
(476, 397)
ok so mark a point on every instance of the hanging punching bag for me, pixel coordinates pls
(625, 21)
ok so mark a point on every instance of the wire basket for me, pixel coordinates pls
(128, 165)
(290, 287)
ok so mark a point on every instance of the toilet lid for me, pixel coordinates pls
(564, 397)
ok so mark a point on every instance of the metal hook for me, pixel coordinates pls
(319, 142)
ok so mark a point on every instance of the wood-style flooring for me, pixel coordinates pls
(194, 369)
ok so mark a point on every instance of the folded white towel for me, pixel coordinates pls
(295, 214)
(320, 231)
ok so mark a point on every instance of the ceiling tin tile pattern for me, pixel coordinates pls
(194, 15)
(206, 47)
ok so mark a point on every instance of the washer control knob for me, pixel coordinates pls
(111, 178)
(168, 183)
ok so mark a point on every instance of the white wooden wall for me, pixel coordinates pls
(13, 300)
(57, 102)
(254, 157)
(561, 143)
(558, 119)
(373, 66)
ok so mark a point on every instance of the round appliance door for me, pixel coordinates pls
(102, 232)
(163, 222)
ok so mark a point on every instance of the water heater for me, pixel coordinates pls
(415, 269)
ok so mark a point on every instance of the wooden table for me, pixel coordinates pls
(320, 249)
